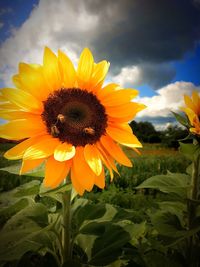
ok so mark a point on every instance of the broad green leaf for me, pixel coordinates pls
(174, 207)
(35, 214)
(84, 210)
(55, 193)
(108, 245)
(27, 190)
(31, 259)
(72, 263)
(9, 211)
(167, 224)
(191, 151)
(137, 232)
(155, 258)
(25, 231)
(15, 169)
(176, 183)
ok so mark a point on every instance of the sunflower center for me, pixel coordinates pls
(74, 116)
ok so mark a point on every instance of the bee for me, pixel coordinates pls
(54, 131)
(61, 118)
(89, 130)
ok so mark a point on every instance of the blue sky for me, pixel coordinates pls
(152, 46)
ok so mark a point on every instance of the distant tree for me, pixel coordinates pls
(172, 135)
(145, 131)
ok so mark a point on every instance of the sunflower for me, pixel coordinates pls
(68, 120)
(192, 111)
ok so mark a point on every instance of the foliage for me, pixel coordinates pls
(136, 221)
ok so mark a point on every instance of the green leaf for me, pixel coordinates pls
(182, 119)
(137, 232)
(84, 210)
(7, 212)
(73, 263)
(155, 258)
(15, 169)
(27, 190)
(28, 230)
(176, 183)
(54, 193)
(191, 151)
(108, 245)
(174, 207)
(167, 224)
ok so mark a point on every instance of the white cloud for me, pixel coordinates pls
(152, 74)
(129, 76)
(57, 24)
(168, 98)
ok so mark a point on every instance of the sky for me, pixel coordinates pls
(153, 46)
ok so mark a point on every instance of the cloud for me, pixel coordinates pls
(140, 38)
(159, 107)
(145, 31)
(155, 75)
(1, 25)
(168, 98)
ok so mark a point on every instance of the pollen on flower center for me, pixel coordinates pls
(74, 116)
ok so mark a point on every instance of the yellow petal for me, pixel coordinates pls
(106, 90)
(76, 184)
(128, 110)
(84, 175)
(189, 103)
(55, 172)
(64, 152)
(20, 129)
(119, 97)
(190, 113)
(85, 68)
(122, 134)
(22, 99)
(31, 80)
(67, 70)
(196, 100)
(9, 106)
(115, 151)
(17, 151)
(99, 73)
(93, 159)
(28, 165)
(42, 149)
(16, 115)
(100, 180)
(51, 70)
(107, 160)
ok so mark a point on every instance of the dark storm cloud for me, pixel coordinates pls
(136, 31)
(157, 75)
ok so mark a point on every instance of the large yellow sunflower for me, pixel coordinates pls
(192, 111)
(68, 120)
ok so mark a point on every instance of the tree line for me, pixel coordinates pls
(146, 132)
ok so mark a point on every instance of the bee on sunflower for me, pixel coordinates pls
(68, 120)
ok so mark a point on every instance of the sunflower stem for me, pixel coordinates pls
(66, 196)
(194, 194)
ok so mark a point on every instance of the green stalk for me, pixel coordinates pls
(66, 196)
(193, 198)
